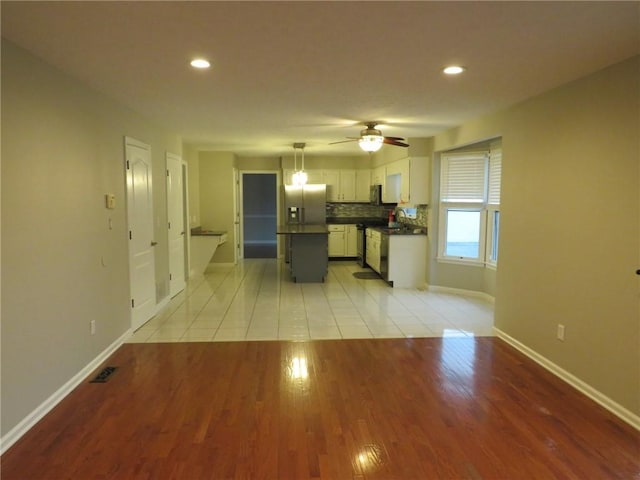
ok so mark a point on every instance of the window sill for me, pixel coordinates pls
(460, 261)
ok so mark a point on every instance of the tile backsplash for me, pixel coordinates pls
(347, 210)
(365, 210)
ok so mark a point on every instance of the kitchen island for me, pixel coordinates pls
(308, 254)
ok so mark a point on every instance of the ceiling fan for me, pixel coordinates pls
(371, 139)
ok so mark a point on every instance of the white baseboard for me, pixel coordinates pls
(460, 291)
(13, 435)
(595, 395)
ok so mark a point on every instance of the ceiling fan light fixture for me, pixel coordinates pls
(453, 70)
(200, 63)
(371, 143)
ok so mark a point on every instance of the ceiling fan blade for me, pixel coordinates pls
(397, 143)
(396, 138)
(344, 141)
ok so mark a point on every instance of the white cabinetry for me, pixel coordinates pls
(332, 179)
(352, 241)
(407, 181)
(343, 240)
(407, 261)
(363, 184)
(379, 177)
(374, 238)
(341, 185)
(337, 240)
(348, 185)
(314, 176)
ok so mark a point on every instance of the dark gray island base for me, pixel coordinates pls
(308, 251)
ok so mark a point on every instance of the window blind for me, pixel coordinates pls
(495, 174)
(463, 177)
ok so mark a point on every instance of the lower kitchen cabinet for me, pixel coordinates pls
(343, 240)
(400, 259)
(372, 253)
(351, 241)
(337, 240)
(407, 261)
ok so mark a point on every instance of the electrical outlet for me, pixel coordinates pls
(560, 332)
(92, 327)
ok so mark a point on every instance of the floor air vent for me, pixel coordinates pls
(104, 375)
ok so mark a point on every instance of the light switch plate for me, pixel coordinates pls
(110, 200)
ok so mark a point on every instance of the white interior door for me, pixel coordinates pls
(141, 233)
(176, 231)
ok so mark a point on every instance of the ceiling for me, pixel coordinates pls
(285, 72)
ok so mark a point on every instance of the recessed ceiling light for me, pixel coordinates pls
(200, 63)
(454, 70)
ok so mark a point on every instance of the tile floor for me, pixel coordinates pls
(256, 300)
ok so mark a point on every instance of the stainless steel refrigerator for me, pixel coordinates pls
(305, 204)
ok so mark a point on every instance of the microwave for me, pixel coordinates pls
(375, 195)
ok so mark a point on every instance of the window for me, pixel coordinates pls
(470, 207)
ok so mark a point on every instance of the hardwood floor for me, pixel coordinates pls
(412, 408)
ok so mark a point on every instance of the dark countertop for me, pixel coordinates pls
(402, 231)
(356, 220)
(199, 232)
(301, 230)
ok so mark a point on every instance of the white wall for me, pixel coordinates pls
(62, 151)
(570, 226)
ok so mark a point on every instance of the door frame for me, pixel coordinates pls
(239, 207)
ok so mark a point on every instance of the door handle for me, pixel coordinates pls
(182, 233)
(153, 244)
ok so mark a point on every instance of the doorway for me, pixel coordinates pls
(259, 214)
(177, 226)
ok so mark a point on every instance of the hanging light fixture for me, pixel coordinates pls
(300, 176)
(371, 139)
(371, 143)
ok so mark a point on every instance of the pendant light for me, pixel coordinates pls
(300, 176)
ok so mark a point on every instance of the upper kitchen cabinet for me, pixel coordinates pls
(379, 177)
(343, 185)
(363, 184)
(407, 181)
(332, 179)
(347, 185)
